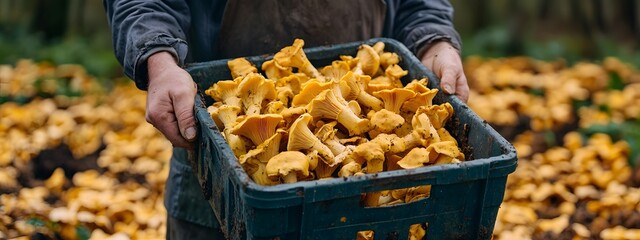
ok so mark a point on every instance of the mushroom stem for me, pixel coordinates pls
(352, 122)
(372, 199)
(290, 178)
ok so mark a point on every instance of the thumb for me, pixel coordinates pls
(183, 108)
(448, 81)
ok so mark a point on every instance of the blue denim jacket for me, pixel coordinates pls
(189, 30)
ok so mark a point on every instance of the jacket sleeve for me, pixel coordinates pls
(141, 28)
(418, 23)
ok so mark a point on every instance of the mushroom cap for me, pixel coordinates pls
(325, 105)
(258, 128)
(349, 60)
(438, 114)
(301, 138)
(388, 58)
(368, 60)
(274, 107)
(326, 131)
(292, 113)
(395, 72)
(371, 152)
(253, 89)
(309, 90)
(225, 91)
(394, 98)
(240, 67)
(285, 95)
(421, 99)
(444, 152)
(294, 56)
(349, 169)
(416, 158)
(418, 86)
(381, 83)
(273, 70)
(386, 121)
(446, 136)
(378, 47)
(293, 82)
(287, 162)
(263, 152)
(291, 56)
(336, 70)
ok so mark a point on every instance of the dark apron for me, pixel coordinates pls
(251, 27)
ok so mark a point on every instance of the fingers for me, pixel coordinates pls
(462, 88)
(448, 80)
(183, 99)
(159, 115)
(170, 99)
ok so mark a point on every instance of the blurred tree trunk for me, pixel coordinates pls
(75, 17)
(50, 18)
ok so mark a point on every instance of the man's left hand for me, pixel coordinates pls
(444, 60)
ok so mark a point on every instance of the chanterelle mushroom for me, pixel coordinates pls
(265, 150)
(309, 90)
(336, 70)
(444, 152)
(381, 83)
(240, 67)
(327, 134)
(257, 127)
(253, 90)
(274, 71)
(368, 60)
(386, 121)
(438, 114)
(358, 86)
(225, 92)
(288, 165)
(417, 157)
(228, 115)
(349, 169)
(394, 98)
(294, 56)
(328, 105)
(421, 99)
(388, 59)
(301, 138)
(395, 72)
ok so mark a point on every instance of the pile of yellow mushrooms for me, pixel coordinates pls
(120, 198)
(572, 185)
(352, 117)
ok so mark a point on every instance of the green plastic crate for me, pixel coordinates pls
(464, 199)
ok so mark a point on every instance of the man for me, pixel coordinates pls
(153, 39)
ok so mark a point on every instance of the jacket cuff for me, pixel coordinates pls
(175, 46)
(421, 39)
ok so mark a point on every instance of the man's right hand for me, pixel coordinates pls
(170, 99)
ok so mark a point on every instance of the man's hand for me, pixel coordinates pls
(444, 60)
(170, 98)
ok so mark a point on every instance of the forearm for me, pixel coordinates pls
(142, 28)
(419, 23)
